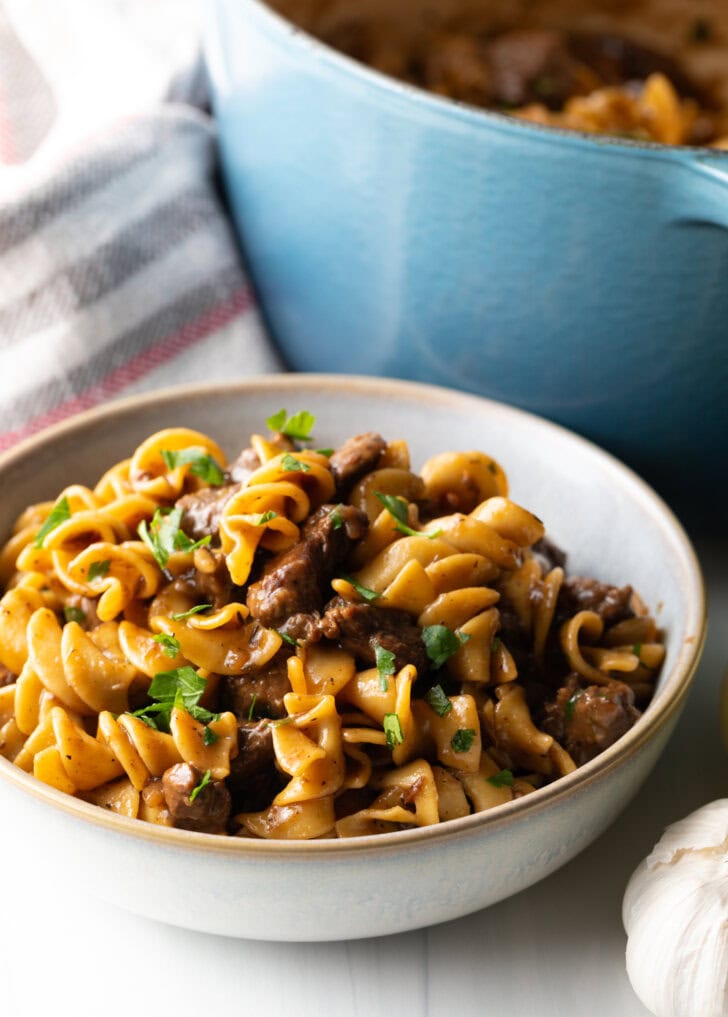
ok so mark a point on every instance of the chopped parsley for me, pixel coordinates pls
(253, 701)
(393, 730)
(74, 614)
(463, 739)
(335, 516)
(328, 452)
(286, 638)
(201, 464)
(266, 517)
(188, 614)
(495, 644)
(169, 644)
(385, 665)
(98, 570)
(397, 508)
(504, 778)
(209, 737)
(438, 701)
(441, 643)
(163, 535)
(60, 512)
(298, 426)
(203, 784)
(571, 704)
(363, 591)
(181, 689)
(637, 649)
(292, 465)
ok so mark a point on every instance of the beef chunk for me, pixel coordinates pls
(259, 693)
(549, 555)
(587, 721)
(578, 593)
(208, 587)
(534, 65)
(201, 510)
(254, 779)
(356, 457)
(210, 810)
(246, 464)
(360, 628)
(297, 581)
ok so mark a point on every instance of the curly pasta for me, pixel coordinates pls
(332, 646)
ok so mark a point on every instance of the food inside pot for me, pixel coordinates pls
(553, 67)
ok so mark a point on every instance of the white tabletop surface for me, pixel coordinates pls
(555, 950)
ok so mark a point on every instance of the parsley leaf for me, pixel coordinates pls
(335, 516)
(328, 452)
(495, 644)
(504, 778)
(286, 638)
(163, 535)
(441, 643)
(209, 737)
(385, 665)
(397, 508)
(74, 614)
(393, 730)
(571, 704)
(298, 425)
(253, 701)
(266, 517)
(169, 644)
(463, 739)
(60, 512)
(201, 464)
(187, 614)
(292, 465)
(637, 649)
(363, 591)
(98, 570)
(181, 688)
(438, 701)
(203, 784)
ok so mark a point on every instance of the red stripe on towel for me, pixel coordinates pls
(135, 368)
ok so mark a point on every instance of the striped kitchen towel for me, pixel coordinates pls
(119, 270)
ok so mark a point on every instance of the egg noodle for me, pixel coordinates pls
(445, 665)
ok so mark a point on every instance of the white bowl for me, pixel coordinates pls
(612, 526)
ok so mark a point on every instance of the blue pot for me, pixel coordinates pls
(392, 232)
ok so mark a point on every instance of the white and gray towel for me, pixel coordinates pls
(119, 271)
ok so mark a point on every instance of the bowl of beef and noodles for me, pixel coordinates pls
(526, 200)
(381, 653)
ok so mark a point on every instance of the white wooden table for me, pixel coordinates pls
(555, 950)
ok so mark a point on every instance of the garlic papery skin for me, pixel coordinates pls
(675, 912)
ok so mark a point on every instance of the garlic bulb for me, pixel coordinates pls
(675, 911)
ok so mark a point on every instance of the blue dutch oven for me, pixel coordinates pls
(392, 232)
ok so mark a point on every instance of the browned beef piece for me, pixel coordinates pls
(259, 693)
(210, 810)
(549, 555)
(360, 628)
(617, 60)
(578, 593)
(214, 587)
(254, 779)
(247, 463)
(587, 721)
(7, 677)
(356, 457)
(297, 581)
(88, 618)
(202, 509)
(534, 65)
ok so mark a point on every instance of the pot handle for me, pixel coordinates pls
(708, 189)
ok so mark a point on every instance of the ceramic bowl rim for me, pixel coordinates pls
(668, 700)
(472, 115)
